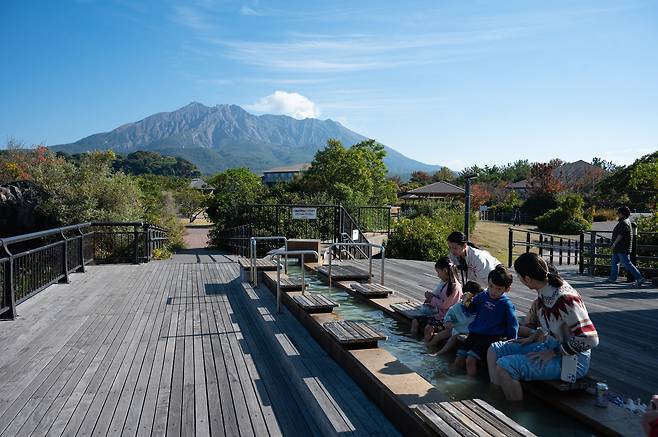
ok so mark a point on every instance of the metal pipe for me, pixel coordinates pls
(370, 245)
(277, 254)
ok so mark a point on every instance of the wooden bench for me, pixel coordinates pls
(315, 303)
(410, 310)
(353, 334)
(371, 290)
(344, 273)
(471, 418)
(287, 284)
(580, 384)
(261, 264)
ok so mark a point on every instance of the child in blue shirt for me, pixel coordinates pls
(495, 319)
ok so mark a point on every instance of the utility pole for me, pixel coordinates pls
(467, 209)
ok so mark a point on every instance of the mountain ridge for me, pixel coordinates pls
(225, 135)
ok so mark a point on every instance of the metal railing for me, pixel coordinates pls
(596, 246)
(550, 246)
(370, 246)
(253, 254)
(506, 217)
(29, 263)
(277, 254)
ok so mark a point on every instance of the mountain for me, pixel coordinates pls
(226, 136)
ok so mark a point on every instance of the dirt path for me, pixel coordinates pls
(196, 237)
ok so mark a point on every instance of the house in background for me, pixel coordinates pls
(201, 185)
(436, 191)
(284, 174)
(573, 175)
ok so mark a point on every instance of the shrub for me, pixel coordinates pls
(419, 238)
(604, 215)
(162, 253)
(567, 218)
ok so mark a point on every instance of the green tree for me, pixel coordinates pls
(233, 189)
(445, 174)
(354, 176)
(191, 202)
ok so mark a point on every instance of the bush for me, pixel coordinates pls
(421, 238)
(604, 215)
(567, 218)
(162, 253)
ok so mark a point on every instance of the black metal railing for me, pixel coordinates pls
(506, 217)
(326, 223)
(550, 246)
(597, 247)
(29, 263)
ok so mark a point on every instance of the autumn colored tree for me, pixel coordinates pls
(543, 182)
(480, 195)
(421, 177)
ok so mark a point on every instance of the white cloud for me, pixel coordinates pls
(246, 10)
(281, 102)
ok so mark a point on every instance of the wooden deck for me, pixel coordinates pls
(345, 273)
(625, 318)
(372, 290)
(155, 349)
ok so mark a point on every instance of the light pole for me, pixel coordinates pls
(467, 209)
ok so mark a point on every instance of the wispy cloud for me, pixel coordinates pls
(249, 11)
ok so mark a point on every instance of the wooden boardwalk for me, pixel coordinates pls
(627, 356)
(155, 349)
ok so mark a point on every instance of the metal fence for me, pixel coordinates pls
(564, 250)
(329, 224)
(29, 263)
(505, 217)
(597, 252)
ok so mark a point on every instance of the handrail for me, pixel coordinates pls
(25, 237)
(252, 254)
(349, 239)
(369, 258)
(277, 254)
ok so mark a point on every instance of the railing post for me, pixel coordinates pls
(551, 249)
(8, 281)
(510, 245)
(148, 248)
(560, 252)
(579, 253)
(65, 258)
(81, 269)
(592, 252)
(541, 245)
(633, 256)
(136, 244)
(527, 242)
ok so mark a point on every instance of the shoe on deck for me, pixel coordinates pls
(639, 282)
(608, 281)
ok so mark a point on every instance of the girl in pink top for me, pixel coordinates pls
(445, 295)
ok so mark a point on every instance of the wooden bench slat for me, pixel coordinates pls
(483, 420)
(451, 420)
(435, 422)
(503, 418)
(353, 332)
(465, 420)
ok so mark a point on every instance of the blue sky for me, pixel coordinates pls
(453, 83)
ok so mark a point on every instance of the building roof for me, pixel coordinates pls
(290, 168)
(438, 189)
(520, 185)
(199, 184)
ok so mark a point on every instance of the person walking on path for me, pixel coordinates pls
(517, 217)
(621, 248)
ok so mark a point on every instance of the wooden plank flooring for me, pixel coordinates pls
(625, 318)
(141, 350)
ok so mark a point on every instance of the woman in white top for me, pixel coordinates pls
(475, 264)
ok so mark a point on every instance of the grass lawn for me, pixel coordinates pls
(494, 237)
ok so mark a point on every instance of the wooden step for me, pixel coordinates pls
(472, 418)
(262, 264)
(372, 290)
(353, 333)
(287, 284)
(314, 303)
(344, 273)
(409, 310)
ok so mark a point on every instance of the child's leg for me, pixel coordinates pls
(429, 332)
(438, 337)
(492, 366)
(450, 344)
(414, 326)
(459, 362)
(471, 366)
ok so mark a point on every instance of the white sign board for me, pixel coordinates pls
(304, 213)
(355, 235)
